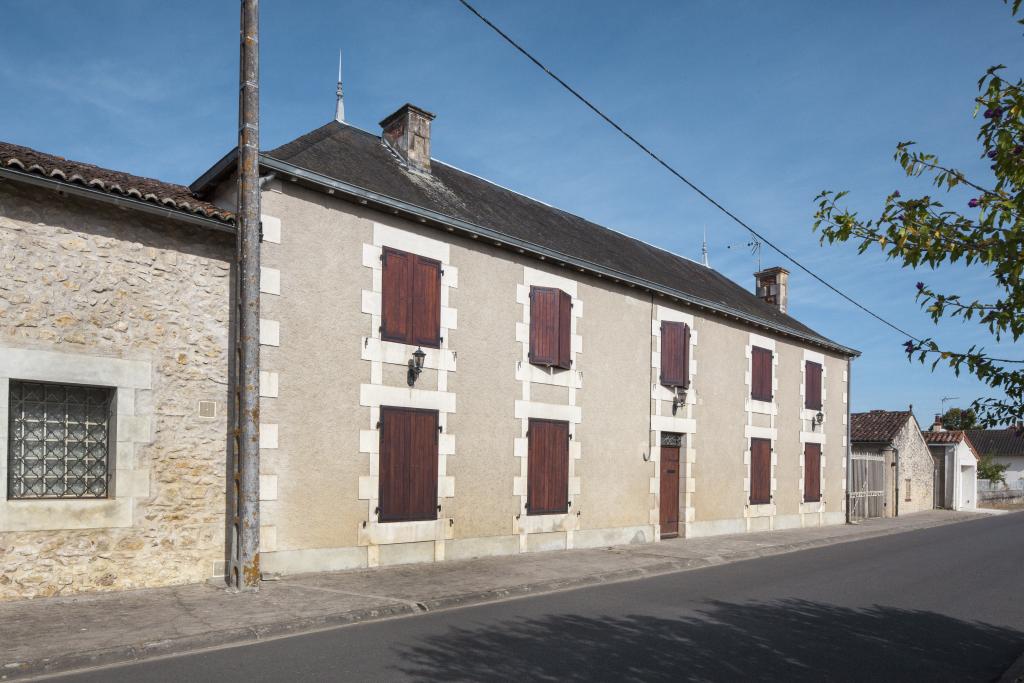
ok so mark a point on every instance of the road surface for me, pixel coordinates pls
(945, 603)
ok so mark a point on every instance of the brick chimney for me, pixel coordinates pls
(772, 286)
(937, 425)
(407, 132)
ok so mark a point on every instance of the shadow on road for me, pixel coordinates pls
(785, 640)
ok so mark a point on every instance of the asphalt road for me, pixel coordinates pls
(940, 604)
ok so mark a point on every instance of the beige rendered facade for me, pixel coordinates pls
(134, 301)
(328, 373)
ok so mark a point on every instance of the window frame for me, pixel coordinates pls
(810, 404)
(757, 391)
(411, 296)
(550, 325)
(387, 516)
(682, 333)
(531, 465)
(768, 485)
(813, 446)
(109, 406)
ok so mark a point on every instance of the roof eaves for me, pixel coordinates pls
(423, 215)
(121, 200)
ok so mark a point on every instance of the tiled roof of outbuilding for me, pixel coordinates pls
(169, 195)
(877, 426)
(953, 436)
(356, 157)
(1008, 441)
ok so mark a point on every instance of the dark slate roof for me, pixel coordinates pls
(169, 195)
(879, 426)
(1008, 441)
(359, 158)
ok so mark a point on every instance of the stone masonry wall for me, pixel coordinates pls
(82, 277)
(917, 465)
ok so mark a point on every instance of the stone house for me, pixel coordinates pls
(449, 369)
(114, 328)
(892, 468)
(956, 467)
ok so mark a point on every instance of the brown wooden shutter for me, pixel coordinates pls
(547, 483)
(396, 296)
(675, 354)
(812, 390)
(812, 472)
(564, 330)
(761, 374)
(760, 471)
(408, 464)
(426, 309)
(544, 325)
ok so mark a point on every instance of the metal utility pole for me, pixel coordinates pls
(245, 570)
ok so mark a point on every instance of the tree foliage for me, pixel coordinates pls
(992, 470)
(986, 231)
(959, 418)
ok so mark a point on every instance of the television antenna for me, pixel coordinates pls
(755, 249)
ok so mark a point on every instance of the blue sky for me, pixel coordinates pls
(762, 104)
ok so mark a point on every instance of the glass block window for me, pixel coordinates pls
(59, 441)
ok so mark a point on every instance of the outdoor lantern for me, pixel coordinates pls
(416, 365)
(679, 398)
(819, 418)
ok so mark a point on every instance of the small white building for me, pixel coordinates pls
(956, 468)
(1006, 447)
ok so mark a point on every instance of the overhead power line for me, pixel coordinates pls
(679, 175)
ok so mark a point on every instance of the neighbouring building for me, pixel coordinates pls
(1006, 447)
(450, 369)
(892, 470)
(956, 467)
(114, 334)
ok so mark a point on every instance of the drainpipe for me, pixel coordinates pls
(896, 462)
(849, 442)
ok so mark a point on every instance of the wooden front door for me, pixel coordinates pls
(669, 463)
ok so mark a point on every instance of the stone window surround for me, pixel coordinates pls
(679, 424)
(133, 427)
(523, 524)
(815, 434)
(375, 394)
(769, 408)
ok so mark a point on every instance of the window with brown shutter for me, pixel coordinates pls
(760, 471)
(812, 472)
(408, 464)
(812, 390)
(761, 374)
(547, 464)
(675, 354)
(550, 327)
(410, 299)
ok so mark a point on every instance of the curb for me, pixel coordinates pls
(127, 654)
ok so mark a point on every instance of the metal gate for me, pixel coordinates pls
(867, 486)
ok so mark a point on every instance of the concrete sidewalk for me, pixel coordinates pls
(59, 634)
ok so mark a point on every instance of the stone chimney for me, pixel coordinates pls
(937, 425)
(772, 285)
(407, 132)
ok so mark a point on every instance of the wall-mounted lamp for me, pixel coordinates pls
(678, 398)
(416, 365)
(817, 419)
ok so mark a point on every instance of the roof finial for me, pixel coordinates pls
(339, 110)
(704, 248)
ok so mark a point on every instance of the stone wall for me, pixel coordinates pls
(917, 465)
(84, 280)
